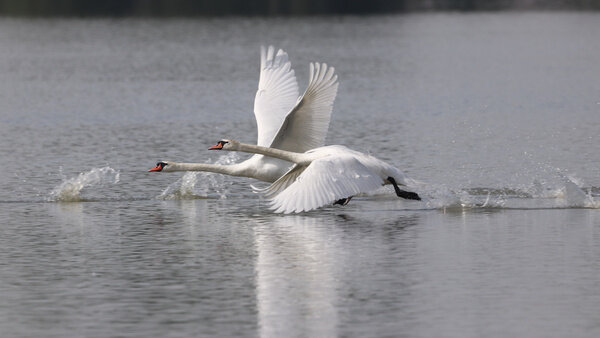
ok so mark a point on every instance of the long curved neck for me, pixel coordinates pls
(289, 156)
(232, 169)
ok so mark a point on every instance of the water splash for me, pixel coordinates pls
(572, 195)
(184, 188)
(569, 192)
(197, 185)
(70, 189)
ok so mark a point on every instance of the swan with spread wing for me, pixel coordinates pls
(284, 119)
(324, 175)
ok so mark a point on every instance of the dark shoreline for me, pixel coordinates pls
(188, 8)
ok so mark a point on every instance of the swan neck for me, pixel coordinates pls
(271, 152)
(213, 168)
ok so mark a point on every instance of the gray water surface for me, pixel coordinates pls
(498, 115)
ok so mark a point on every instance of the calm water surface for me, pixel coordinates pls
(499, 115)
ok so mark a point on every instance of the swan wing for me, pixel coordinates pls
(283, 182)
(305, 126)
(276, 95)
(325, 181)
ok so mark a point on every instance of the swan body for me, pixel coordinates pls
(323, 176)
(284, 120)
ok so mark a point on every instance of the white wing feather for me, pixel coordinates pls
(276, 95)
(282, 183)
(306, 125)
(325, 181)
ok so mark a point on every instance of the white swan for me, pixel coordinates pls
(323, 176)
(283, 119)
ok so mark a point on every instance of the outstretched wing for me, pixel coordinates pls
(276, 95)
(323, 182)
(306, 125)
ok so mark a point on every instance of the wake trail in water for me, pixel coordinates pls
(70, 189)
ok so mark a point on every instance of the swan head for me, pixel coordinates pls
(226, 144)
(160, 166)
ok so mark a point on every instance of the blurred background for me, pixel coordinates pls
(271, 7)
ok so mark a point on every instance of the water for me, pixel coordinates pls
(498, 115)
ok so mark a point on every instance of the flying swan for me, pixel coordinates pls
(323, 176)
(284, 120)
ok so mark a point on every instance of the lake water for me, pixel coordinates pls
(499, 115)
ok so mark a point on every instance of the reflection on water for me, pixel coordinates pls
(226, 267)
(295, 277)
(305, 270)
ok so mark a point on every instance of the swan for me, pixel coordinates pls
(324, 175)
(283, 119)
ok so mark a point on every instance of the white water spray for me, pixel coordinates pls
(70, 189)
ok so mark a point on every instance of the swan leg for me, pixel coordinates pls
(343, 201)
(401, 193)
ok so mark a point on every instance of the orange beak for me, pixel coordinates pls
(157, 168)
(216, 147)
